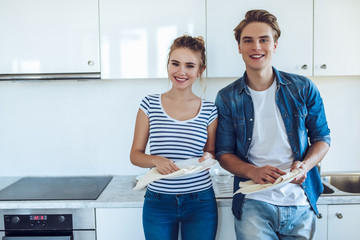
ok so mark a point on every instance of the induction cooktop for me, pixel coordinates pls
(55, 188)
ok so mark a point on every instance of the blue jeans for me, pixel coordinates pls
(197, 213)
(264, 221)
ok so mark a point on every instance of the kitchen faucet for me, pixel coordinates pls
(319, 167)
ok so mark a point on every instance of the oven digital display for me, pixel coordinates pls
(38, 217)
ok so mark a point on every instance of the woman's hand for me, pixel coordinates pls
(205, 156)
(164, 165)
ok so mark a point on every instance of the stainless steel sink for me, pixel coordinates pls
(327, 190)
(345, 182)
(335, 184)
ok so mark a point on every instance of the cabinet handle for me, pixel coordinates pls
(339, 215)
(320, 216)
(304, 67)
(91, 63)
(323, 66)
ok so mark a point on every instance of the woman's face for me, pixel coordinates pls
(184, 68)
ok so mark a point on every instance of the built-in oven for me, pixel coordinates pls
(47, 224)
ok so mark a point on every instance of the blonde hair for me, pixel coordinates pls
(258, 15)
(195, 44)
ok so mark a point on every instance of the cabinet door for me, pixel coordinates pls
(294, 53)
(41, 36)
(225, 228)
(336, 47)
(343, 222)
(136, 35)
(321, 223)
(119, 224)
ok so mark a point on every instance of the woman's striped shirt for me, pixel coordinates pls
(177, 141)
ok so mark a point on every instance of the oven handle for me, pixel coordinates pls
(38, 238)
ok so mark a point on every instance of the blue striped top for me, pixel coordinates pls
(178, 140)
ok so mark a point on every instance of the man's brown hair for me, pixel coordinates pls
(258, 15)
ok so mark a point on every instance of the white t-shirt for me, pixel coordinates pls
(270, 146)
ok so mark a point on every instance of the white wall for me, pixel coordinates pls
(86, 127)
(341, 96)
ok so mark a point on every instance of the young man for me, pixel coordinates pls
(266, 120)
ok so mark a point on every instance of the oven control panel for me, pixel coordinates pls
(38, 222)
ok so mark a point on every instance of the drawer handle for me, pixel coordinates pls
(339, 215)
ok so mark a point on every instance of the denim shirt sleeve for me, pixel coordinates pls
(225, 134)
(315, 121)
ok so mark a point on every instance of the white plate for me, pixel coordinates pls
(137, 178)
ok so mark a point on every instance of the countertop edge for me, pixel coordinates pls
(119, 194)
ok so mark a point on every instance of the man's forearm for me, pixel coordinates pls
(315, 154)
(235, 165)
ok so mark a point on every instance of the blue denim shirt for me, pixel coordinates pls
(302, 111)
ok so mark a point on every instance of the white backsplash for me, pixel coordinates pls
(86, 127)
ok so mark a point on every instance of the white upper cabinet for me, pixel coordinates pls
(294, 52)
(42, 36)
(336, 42)
(136, 35)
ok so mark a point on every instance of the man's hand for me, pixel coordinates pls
(302, 176)
(266, 174)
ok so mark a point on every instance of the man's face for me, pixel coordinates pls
(257, 46)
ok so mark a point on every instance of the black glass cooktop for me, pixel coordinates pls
(55, 188)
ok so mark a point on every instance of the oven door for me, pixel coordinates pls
(38, 238)
(77, 235)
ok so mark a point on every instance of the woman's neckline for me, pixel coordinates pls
(174, 119)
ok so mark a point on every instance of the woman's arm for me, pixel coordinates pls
(210, 142)
(137, 153)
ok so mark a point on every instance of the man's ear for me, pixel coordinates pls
(239, 47)
(275, 46)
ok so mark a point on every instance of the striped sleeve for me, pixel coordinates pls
(211, 110)
(213, 114)
(145, 105)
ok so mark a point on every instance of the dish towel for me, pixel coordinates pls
(188, 166)
(251, 187)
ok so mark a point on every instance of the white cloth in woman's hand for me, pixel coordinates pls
(189, 166)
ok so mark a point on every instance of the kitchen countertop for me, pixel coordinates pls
(119, 193)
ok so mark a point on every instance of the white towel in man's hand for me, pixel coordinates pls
(251, 187)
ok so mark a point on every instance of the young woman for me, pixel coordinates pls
(179, 125)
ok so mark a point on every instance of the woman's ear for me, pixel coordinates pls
(201, 71)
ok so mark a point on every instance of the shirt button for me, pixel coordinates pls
(249, 139)
(251, 119)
